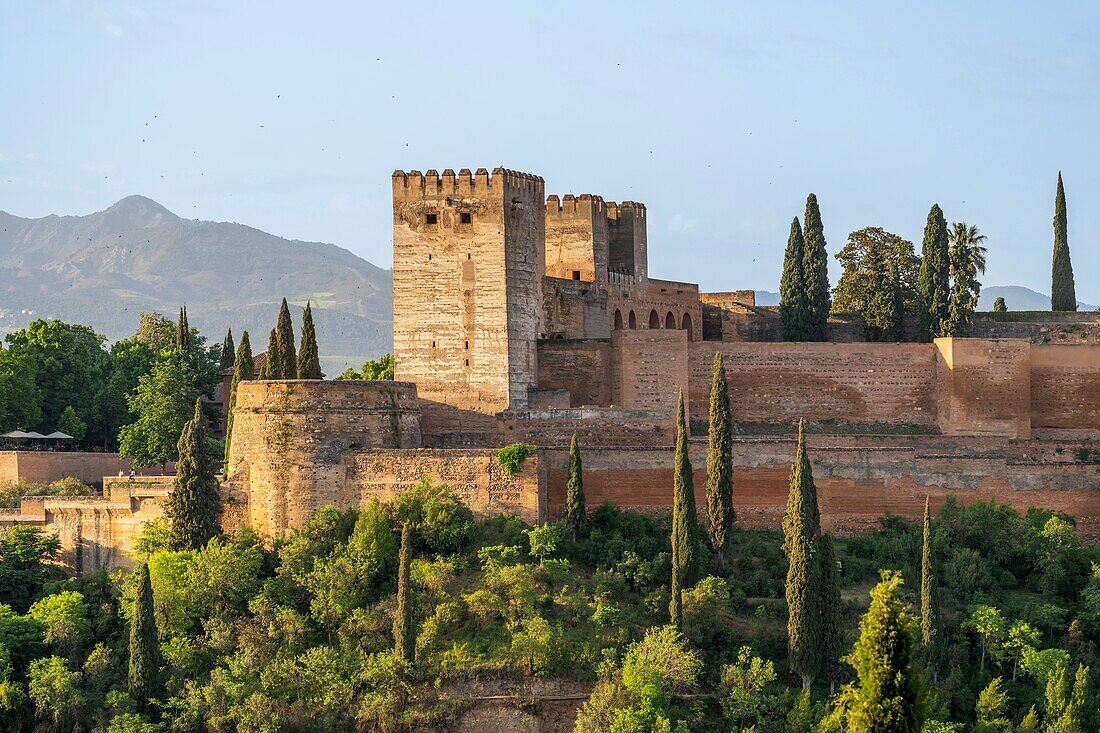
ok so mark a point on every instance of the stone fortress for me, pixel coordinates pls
(521, 317)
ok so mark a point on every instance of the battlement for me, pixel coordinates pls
(617, 209)
(567, 206)
(481, 183)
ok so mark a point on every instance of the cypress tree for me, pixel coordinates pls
(999, 305)
(929, 610)
(272, 362)
(815, 273)
(676, 596)
(1063, 296)
(192, 505)
(792, 289)
(309, 364)
(720, 513)
(228, 351)
(801, 527)
(934, 279)
(404, 637)
(144, 671)
(685, 520)
(284, 338)
(243, 368)
(832, 620)
(183, 332)
(889, 694)
(574, 489)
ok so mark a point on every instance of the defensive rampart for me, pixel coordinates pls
(44, 467)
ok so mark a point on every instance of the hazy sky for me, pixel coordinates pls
(721, 117)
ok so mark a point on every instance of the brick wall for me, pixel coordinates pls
(44, 467)
(653, 368)
(1065, 387)
(583, 367)
(575, 309)
(984, 387)
(890, 383)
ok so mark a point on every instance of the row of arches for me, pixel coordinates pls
(655, 321)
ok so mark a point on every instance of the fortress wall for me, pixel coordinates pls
(859, 479)
(592, 426)
(663, 297)
(44, 467)
(1065, 387)
(574, 309)
(984, 387)
(583, 367)
(653, 368)
(1039, 327)
(781, 382)
(576, 237)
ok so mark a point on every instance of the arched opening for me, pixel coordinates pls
(670, 320)
(633, 320)
(686, 325)
(654, 319)
(618, 320)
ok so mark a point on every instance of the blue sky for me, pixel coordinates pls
(721, 117)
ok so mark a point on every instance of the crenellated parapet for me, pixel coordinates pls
(479, 184)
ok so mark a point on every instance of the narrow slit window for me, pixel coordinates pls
(464, 217)
(576, 274)
(431, 218)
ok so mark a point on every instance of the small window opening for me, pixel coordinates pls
(467, 255)
(467, 362)
(464, 217)
(576, 274)
(433, 344)
(466, 344)
(429, 257)
(431, 218)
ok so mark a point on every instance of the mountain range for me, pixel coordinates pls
(105, 268)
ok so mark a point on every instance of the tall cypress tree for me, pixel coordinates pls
(929, 609)
(676, 592)
(801, 527)
(832, 619)
(183, 332)
(144, 670)
(404, 636)
(192, 505)
(229, 351)
(243, 368)
(574, 489)
(815, 273)
(934, 279)
(309, 364)
(792, 287)
(284, 337)
(720, 513)
(1063, 296)
(272, 362)
(685, 520)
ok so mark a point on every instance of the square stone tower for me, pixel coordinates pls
(468, 263)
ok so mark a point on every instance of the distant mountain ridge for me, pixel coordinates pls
(105, 268)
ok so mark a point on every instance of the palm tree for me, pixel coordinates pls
(967, 262)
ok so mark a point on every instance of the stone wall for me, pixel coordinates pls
(1039, 327)
(576, 237)
(574, 309)
(888, 383)
(583, 367)
(983, 387)
(653, 367)
(859, 479)
(1065, 387)
(44, 467)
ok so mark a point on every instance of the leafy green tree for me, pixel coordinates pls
(163, 404)
(989, 624)
(1063, 296)
(69, 364)
(284, 337)
(879, 281)
(380, 369)
(792, 287)
(228, 352)
(19, 396)
(130, 360)
(889, 694)
(192, 505)
(832, 613)
(56, 692)
(999, 305)
(272, 366)
(156, 332)
(574, 489)
(929, 606)
(1069, 702)
(801, 528)
(439, 518)
(742, 692)
(404, 634)
(543, 540)
(1030, 723)
(309, 363)
(720, 512)
(934, 279)
(967, 262)
(815, 271)
(64, 616)
(71, 424)
(27, 556)
(243, 368)
(1020, 637)
(685, 522)
(144, 669)
(991, 710)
